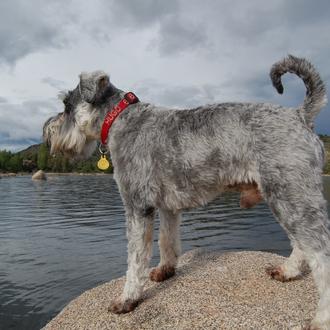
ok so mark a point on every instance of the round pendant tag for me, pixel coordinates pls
(103, 163)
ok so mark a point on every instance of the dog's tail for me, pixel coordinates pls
(316, 97)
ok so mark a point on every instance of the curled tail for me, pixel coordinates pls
(316, 97)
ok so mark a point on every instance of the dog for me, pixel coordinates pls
(170, 160)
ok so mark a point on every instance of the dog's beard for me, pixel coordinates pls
(51, 129)
(72, 143)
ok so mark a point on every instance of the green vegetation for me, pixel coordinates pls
(42, 157)
(37, 157)
(10, 162)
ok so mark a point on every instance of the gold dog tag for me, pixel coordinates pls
(103, 163)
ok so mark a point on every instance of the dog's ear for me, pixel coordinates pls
(93, 85)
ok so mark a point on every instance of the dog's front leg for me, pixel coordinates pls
(139, 235)
(169, 245)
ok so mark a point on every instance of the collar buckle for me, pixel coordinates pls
(103, 149)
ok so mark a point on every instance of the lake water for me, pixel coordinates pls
(64, 236)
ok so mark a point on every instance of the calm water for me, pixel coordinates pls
(64, 236)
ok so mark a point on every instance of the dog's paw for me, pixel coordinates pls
(277, 273)
(121, 307)
(161, 273)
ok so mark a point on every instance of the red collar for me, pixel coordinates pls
(129, 98)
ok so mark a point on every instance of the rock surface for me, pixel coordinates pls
(39, 175)
(210, 291)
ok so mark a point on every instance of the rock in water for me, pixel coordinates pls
(39, 175)
(209, 291)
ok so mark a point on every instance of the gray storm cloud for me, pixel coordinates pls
(174, 53)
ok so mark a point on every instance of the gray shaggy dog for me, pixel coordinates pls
(171, 160)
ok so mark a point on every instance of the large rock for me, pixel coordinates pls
(210, 291)
(39, 175)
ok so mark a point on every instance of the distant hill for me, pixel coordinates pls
(30, 151)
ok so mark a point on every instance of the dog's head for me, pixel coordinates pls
(75, 131)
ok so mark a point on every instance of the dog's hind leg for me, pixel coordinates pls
(300, 208)
(291, 269)
(169, 245)
(140, 239)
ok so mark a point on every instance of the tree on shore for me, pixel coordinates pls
(4, 159)
(15, 164)
(42, 157)
(10, 162)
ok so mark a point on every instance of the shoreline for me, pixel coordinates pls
(7, 175)
(76, 174)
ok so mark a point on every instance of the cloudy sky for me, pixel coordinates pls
(174, 53)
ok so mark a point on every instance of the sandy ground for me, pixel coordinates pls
(210, 291)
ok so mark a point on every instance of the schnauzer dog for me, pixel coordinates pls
(171, 160)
